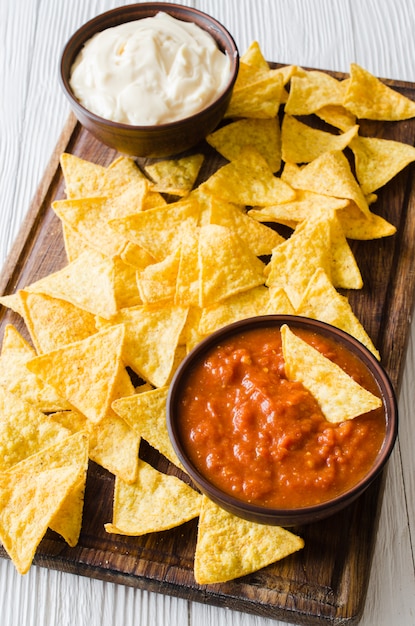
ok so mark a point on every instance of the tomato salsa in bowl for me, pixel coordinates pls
(258, 443)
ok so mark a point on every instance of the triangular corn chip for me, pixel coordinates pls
(155, 502)
(32, 494)
(322, 301)
(86, 372)
(175, 176)
(152, 334)
(340, 397)
(379, 160)
(226, 265)
(369, 98)
(264, 135)
(82, 178)
(16, 378)
(302, 143)
(24, 430)
(145, 413)
(229, 547)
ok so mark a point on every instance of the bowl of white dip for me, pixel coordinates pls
(150, 79)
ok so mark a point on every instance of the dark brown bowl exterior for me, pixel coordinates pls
(150, 141)
(283, 517)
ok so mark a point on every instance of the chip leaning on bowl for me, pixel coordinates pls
(149, 276)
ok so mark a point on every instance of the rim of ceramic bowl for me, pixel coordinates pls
(281, 515)
(128, 13)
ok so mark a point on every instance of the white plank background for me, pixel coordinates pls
(326, 34)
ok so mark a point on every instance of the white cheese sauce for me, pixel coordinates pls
(149, 71)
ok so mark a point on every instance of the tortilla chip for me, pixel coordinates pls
(32, 494)
(159, 230)
(85, 372)
(302, 143)
(175, 176)
(246, 304)
(337, 116)
(378, 160)
(340, 397)
(306, 205)
(157, 282)
(358, 226)
(88, 217)
(248, 180)
(82, 178)
(294, 262)
(87, 282)
(229, 547)
(24, 430)
(53, 322)
(151, 337)
(311, 91)
(259, 238)
(16, 378)
(155, 502)
(114, 445)
(253, 55)
(226, 265)
(369, 98)
(145, 413)
(322, 301)
(187, 284)
(262, 134)
(330, 174)
(260, 98)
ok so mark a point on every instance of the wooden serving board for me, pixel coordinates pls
(326, 582)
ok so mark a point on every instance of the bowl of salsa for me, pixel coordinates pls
(282, 419)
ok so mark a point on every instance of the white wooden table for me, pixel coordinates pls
(326, 34)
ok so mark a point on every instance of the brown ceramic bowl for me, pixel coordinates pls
(282, 516)
(160, 140)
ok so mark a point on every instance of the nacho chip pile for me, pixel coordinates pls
(159, 257)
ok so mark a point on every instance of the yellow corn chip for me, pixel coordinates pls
(175, 176)
(262, 134)
(248, 180)
(145, 413)
(340, 397)
(379, 160)
(253, 55)
(313, 90)
(82, 178)
(302, 143)
(53, 322)
(85, 372)
(32, 494)
(88, 217)
(159, 230)
(246, 304)
(229, 547)
(322, 301)
(330, 174)
(259, 98)
(16, 378)
(259, 238)
(369, 98)
(337, 116)
(294, 262)
(24, 430)
(356, 225)
(154, 503)
(226, 265)
(157, 282)
(152, 334)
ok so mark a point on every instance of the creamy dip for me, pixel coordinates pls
(149, 71)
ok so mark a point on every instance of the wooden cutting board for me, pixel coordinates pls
(326, 582)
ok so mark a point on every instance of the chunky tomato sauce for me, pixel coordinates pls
(264, 439)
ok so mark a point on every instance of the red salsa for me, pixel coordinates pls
(262, 438)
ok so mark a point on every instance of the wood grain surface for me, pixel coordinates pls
(325, 583)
